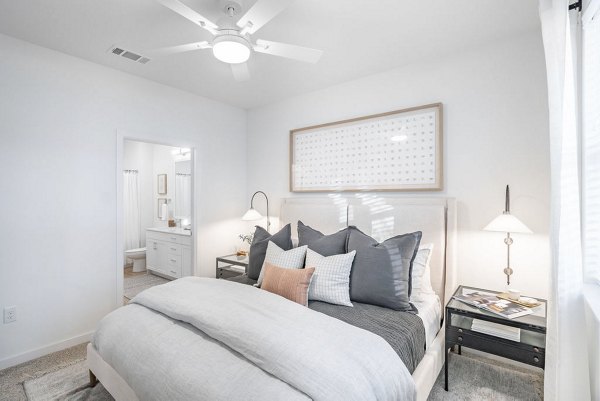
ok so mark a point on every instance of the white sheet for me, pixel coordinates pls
(430, 311)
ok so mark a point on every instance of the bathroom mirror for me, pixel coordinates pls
(162, 184)
(182, 208)
(163, 212)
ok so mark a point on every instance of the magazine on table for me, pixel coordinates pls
(493, 304)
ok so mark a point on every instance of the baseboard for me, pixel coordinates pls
(48, 349)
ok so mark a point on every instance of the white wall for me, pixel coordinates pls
(140, 156)
(164, 163)
(495, 133)
(59, 118)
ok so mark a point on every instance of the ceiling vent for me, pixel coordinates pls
(117, 51)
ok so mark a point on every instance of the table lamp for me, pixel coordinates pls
(507, 223)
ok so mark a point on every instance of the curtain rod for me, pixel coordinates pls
(577, 5)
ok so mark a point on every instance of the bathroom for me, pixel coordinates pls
(157, 215)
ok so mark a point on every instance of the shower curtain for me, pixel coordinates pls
(131, 210)
(183, 196)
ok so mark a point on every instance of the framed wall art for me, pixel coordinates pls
(395, 151)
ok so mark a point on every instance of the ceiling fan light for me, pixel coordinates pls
(231, 49)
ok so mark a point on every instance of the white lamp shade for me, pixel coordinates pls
(251, 214)
(507, 223)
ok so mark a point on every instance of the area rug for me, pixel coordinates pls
(136, 284)
(71, 383)
(472, 378)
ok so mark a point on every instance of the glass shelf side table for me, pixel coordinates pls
(529, 349)
(231, 266)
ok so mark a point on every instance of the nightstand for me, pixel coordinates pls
(530, 349)
(231, 265)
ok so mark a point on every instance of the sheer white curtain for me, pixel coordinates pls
(590, 84)
(591, 140)
(131, 209)
(183, 196)
(566, 374)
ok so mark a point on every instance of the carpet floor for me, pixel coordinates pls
(474, 378)
(11, 379)
(64, 376)
(134, 284)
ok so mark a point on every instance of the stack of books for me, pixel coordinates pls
(497, 330)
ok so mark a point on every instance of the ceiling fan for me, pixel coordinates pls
(232, 42)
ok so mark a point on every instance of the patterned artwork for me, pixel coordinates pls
(392, 151)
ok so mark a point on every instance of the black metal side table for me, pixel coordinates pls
(530, 349)
(231, 265)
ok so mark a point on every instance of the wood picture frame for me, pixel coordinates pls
(400, 150)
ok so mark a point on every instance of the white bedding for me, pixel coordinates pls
(289, 351)
(430, 311)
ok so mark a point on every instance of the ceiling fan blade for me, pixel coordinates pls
(186, 12)
(166, 51)
(240, 72)
(260, 13)
(288, 51)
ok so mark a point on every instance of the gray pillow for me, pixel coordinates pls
(381, 273)
(258, 249)
(325, 245)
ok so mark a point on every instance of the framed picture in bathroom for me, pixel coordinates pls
(162, 184)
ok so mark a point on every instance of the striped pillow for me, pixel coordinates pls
(421, 274)
(331, 281)
(289, 283)
(292, 259)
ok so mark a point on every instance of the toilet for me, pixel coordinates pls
(139, 259)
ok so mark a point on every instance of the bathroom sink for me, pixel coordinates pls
(171, 230)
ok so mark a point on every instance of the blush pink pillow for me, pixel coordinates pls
(289, 283)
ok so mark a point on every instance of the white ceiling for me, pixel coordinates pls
(358, 37)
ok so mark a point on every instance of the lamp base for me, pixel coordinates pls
(508, 271)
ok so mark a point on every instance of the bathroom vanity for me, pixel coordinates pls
(169, 251)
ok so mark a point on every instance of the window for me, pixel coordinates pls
(591, 142)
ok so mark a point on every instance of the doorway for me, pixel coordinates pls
(155, 215)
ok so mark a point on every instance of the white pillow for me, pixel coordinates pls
(331, 279)
(292, 259)
(421, 274)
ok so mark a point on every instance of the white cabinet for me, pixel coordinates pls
(155, 254)
(169, 254)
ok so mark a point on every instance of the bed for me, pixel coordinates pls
(382, 217)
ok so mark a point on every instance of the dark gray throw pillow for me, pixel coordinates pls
(258, 249)
(381, 272)
(325, 245)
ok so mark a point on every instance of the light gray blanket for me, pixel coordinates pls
(218, 340)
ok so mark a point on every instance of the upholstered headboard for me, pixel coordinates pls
(383, 217)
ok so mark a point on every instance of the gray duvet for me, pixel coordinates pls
(207, 339)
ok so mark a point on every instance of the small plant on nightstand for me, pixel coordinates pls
(245, 238)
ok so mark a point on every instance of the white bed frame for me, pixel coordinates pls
(383, 217)
(380, 217)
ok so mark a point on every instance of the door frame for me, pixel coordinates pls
(123, 136)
